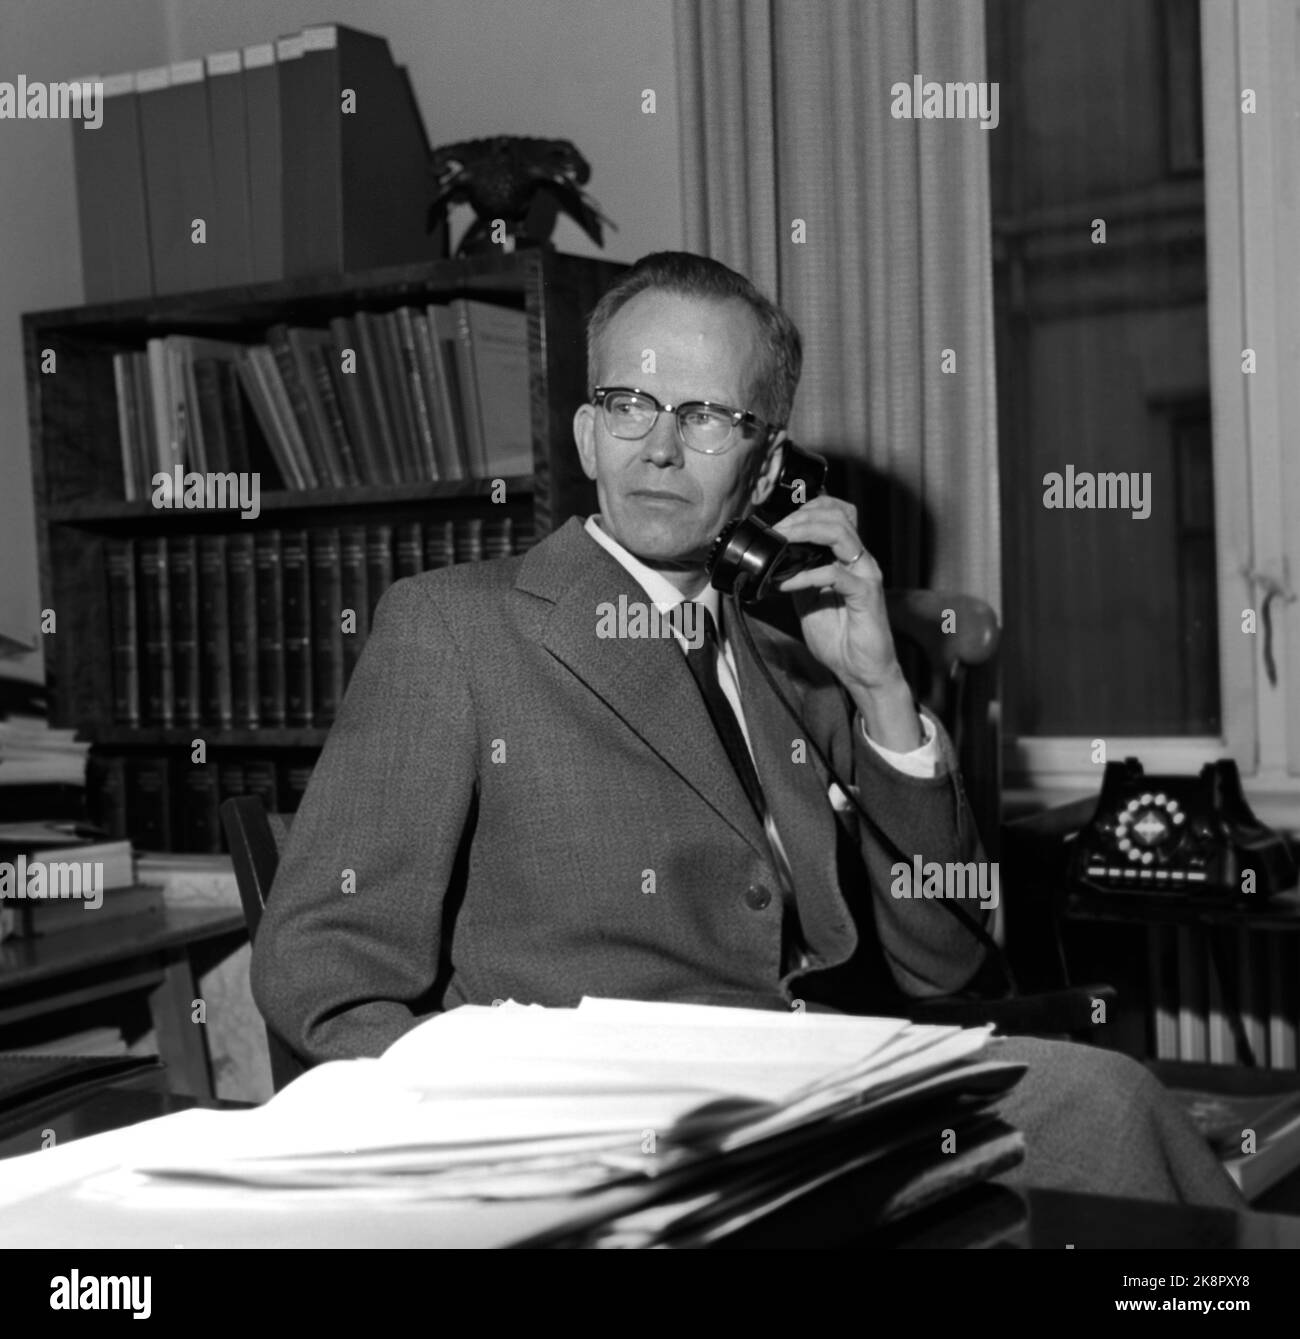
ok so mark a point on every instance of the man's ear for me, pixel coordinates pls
(584, 436)
(769, 470)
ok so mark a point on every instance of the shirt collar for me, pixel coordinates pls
(663, 594)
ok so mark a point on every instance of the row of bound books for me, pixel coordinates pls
(263, 629)
(168, 803)
(377, 398)
(305, 155)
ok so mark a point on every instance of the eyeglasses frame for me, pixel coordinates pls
(737, 416)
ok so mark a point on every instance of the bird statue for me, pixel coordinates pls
(523, 182)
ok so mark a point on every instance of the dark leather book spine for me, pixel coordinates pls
(200, 823)
(260, 779)
(468, 539)
(124, 652)
(318, 472)
(106, 792)
(295, 566)
(352, 564)
(498, 536)
(431, 372)
(442, 327)
(327, 625)
(245, 443)
(155, 632)
(128, 428)
(294, 778)
(413, 382)
(379, 564)
(254, 367)
(183, 590)
(408, 549)
(214, 633)
(370, 366)
(316, 427)
(399, 397)
(439, 544)
(212, 424)
(149, 802)
(241, 575)
(353, 394)
(147, 464)
(318, 361)
(270, 628)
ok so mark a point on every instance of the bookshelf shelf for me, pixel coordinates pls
(132, 644)
(252, 305)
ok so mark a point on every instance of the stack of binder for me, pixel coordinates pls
(302, 156)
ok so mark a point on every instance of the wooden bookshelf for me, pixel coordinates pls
(77, 464)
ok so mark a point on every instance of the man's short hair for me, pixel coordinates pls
(693, 276)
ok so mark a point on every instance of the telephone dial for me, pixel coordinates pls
(1178, 836)
(749, 558)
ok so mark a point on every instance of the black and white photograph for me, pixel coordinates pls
(650, 624)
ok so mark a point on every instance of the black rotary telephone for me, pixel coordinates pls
(1179, 836)
(748, 557)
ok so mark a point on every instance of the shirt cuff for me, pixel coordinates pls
(922, 761)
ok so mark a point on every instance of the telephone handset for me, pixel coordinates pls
(748, 557)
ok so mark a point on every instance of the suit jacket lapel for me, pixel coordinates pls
(645, 681)
(797, 797)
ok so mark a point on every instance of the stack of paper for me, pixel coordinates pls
(33, 752)
(649, 1123)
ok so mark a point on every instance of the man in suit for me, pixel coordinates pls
(515, 804)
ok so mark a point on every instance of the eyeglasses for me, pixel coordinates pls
(701, 425)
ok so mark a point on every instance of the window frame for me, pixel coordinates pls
(1252, 197)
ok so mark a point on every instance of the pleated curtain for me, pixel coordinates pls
(873, 231)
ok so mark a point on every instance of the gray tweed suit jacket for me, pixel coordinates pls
(510, 806)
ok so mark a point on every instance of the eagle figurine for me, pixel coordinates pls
(524, 181)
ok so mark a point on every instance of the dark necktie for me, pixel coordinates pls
(703, 661)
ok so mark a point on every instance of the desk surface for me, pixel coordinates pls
(1282, 911)
(26, 961)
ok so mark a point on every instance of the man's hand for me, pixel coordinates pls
(842, 614)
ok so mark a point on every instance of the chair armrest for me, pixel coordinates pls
(1055, 822)
(1067, 1011)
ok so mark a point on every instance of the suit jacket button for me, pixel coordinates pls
(757, 898)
